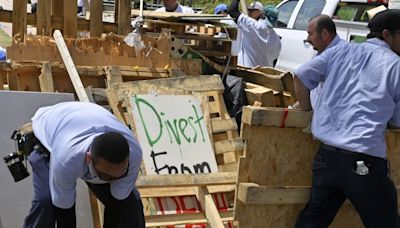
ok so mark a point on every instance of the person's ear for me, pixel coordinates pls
(88, 157)
(386, 35)
(324, 33)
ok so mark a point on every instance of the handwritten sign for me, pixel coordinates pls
(173, 134)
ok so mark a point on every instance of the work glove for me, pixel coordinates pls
(234, 10)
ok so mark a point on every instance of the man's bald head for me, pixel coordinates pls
(321, 31)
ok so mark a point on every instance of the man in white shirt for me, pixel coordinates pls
(174, 6)
(83, 140)
(260, 45)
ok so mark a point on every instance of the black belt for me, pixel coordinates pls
(348, 152)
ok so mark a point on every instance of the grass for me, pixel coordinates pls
(5, 39)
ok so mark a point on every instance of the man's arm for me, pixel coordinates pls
(303, 94)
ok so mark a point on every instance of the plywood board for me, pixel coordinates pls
(18, 196)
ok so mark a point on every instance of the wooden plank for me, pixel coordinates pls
(251, 193)
(211, 211)
(69, 63)
(57, 7)
(182, 180)
(285, 76)
(181, 191)
(113, 75)
(225, 146)
(181, 219)
(1, 81)
(260, 78)
(259, 95)
(275, 117)
(44, 17)
(70, 18)
(96, 18)
(222, 125)
(95, 210)
(116, 11)
(124, 17)
(46, 78)
(19, 16)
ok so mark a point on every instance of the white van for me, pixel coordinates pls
(350, 17)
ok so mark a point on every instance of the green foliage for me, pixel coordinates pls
(209, 5)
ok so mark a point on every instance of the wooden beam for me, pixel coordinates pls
(124, 17)
(225, 146)
(46, 78)
(19, 16)
(223, 125)
(211, 211)
(260, 78)
(116, 11)
(57, 8)
(181, 219)
(181, 191)
(113, 75)
(96, 18)
(261, 95)
(43, 21)
(251, 193)
(275, 117)
(70, 18)
(95, 210)
(2, 76)
(69, 63)
(186, 180)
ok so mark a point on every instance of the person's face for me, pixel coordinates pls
(393, 39)
(314, 38)
(255, 13)
(170, 5)
(108, 171)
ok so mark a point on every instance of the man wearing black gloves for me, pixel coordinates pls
(260, 45)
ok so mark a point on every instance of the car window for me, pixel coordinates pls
(309, 9)
(353, 11)
(285, 11)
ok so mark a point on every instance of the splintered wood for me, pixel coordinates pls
(275, 175)
(108, 50)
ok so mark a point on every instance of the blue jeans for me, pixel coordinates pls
(43, 214)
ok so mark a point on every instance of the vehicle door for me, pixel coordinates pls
(292, 28)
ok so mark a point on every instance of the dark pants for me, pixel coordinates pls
(43, 214)
(335, 180)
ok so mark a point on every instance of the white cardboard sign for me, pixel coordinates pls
(173, 134)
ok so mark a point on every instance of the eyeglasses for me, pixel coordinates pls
(107, 177)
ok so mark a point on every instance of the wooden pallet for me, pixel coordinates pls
(222, 130)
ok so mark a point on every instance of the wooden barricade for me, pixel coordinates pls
(222, 129)
(274, 176)
(56, 14)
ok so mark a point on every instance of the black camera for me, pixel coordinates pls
(25, 142)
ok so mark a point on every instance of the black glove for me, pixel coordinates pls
(234, 10)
